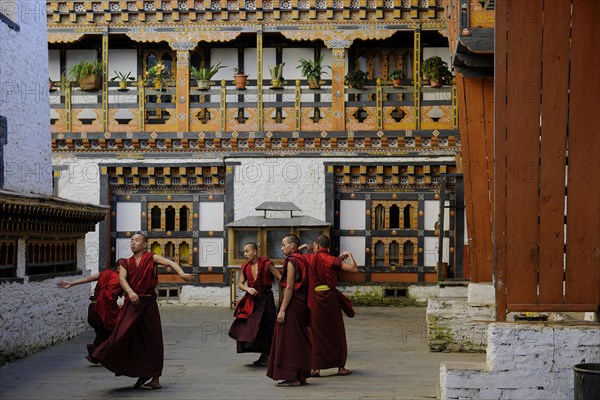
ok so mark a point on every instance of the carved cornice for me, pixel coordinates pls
(64, 37)
(182, 40)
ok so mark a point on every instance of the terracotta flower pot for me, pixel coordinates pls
(240, 81)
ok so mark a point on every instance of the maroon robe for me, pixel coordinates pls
(103, 312)
(327, 332)
(255, 315)
(290, 351)
(135, 347)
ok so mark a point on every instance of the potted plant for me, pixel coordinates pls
(203, 75)
(276, 75)
(356, 79)
(436, 71)
(88, 74)
(122, 78)
(239, 78)
(312, 71)
(396, 76)
(158, 73)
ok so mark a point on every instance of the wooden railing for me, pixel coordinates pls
(222, 108)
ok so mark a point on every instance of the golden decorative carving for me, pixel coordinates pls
(56, 37)
(182, 40)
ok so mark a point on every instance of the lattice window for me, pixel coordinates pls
(199, 5)
(8, 259)
(406, 3)
(215, 5)
(286, 5)
(423, 4)
(132, 6)
(114, 7)
(338, 4)
(388, 4)
(233, 5)
(354, 4)
(166, 5)
(79, 7)
(182, 5)
(321, 4)
(304, 4)
(149, 6)
(267, 5)
(51, 257)
(251, 5)
(63, 8)
(372, 4)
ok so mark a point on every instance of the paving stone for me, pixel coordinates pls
(388, 354)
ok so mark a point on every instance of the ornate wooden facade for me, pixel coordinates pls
(185, 124)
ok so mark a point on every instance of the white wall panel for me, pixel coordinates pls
(54, 64)
(211, 252)
(356, 246)
(129, 217)
(432, 210)
(431, 251)
(123, 61)
(352, 214)
(228, 58)
(211, 216)
(123, 248)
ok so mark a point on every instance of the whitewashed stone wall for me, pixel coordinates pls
(205, 295)
(24, 100)
(457, 320)
(524, 361)
(35, 315)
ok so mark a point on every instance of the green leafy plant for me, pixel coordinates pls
(276, 75)
(205, 74)
(435, 70)
(356, 79)
(396, 74)
(83, 69)
(88, 74)
(122, 77)
(312, 71)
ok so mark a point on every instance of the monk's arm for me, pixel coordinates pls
(133, 297)
(349, 263)
(243, 287)
(66, 285)
(287, 293)
(276, 273)
(165, 261)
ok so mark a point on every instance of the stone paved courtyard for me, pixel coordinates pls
(387, 352)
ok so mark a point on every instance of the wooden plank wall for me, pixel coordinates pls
(475, 98)
(547, 149)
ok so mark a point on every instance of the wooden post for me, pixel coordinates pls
(417, 78)
(339, 49)
(259, 80)
(182, 84)
(105, 80)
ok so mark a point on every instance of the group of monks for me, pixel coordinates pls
(307, 334)
(304, 336)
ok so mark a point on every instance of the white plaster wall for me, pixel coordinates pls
(524, 361)
(205, 295)
(35, 315)
(24, 100)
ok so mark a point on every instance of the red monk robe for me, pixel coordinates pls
(135, 347)
(290, 351)
(255, 315)
(327, 332)
(103, 312)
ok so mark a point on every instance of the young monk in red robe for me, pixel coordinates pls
(255, 312)
(327, 332)
(103, 311)
(135, 347)
(290, 352)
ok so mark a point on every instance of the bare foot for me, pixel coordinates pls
(289, 383)
(344, 371)
(154, 384)
(141, 380)
(315, 373)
